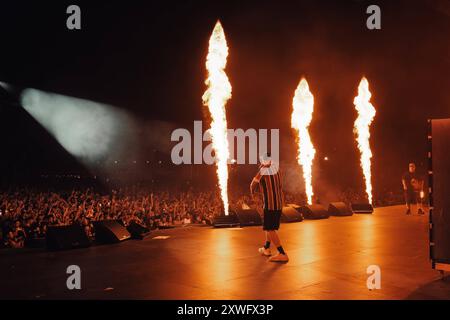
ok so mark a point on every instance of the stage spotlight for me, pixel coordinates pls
(5, 86)
(88, 130)
(8, 95)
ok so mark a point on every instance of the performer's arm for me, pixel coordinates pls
(404, 184)
(255, 183)
(253, 186)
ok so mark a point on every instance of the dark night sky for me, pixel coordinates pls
(148, 58)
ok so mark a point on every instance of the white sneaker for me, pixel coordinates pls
(279, 258)
(265, 252)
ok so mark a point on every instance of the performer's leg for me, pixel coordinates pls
(274, 237)
(276, 241)
(267, 244)
(265, 249)
(407, 201)
(419, 203)
(271, 224)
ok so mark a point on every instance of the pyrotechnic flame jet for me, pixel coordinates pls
(216, 97)
(303, 107)
(366, 113)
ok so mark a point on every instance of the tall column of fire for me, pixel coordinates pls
(366, 113)
(303, 107)
(216, 97)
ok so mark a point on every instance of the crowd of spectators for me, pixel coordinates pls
(26, 214)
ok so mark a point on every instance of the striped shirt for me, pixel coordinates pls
(271, 187)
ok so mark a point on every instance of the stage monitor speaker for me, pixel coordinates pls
(339, 209)
(138, 231)
(248, 217)
(439, 191)
(110, 231)
(36, 243)
(291, 213)
(362, 208)
(314, 212)
(229, 221)
(66, 237)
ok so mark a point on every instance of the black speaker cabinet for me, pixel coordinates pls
(248, 217)
(229, 221)
(362, 208)
(314, 212)
(439, 193)
(66, 237)
(291, 213)
(138, 231)
(110, 231)
(339, 209)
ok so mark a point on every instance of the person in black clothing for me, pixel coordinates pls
(19, 231)
(412, 188)
(30, 229)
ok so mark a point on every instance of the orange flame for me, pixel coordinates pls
(216, 97)
(366, 113)
(303, 107)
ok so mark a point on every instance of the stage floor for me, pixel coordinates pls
(328, 260)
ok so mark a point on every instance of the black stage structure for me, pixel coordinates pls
(439, 192)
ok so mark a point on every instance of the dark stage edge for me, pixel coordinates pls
(328, 260)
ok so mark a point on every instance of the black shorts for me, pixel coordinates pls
(271, 219)
(411, 197)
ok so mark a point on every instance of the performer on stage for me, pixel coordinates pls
(269, 180)
(413, 189)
